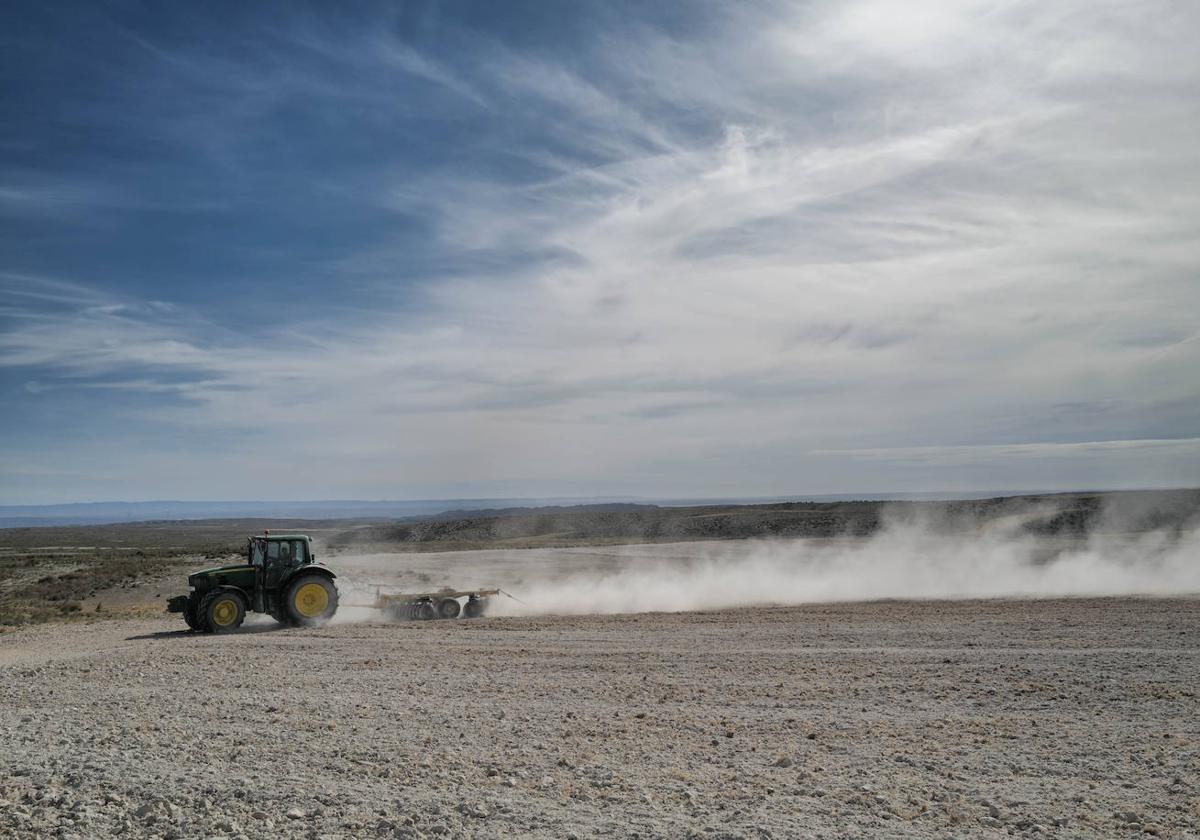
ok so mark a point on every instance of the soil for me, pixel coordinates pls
(1061, 718)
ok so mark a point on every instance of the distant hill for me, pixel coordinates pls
(102, 513)
(1064, 514)
(447, 526)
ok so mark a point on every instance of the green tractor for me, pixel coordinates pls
(280, 577)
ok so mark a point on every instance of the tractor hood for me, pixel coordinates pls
(201, 577)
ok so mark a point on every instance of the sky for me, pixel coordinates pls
(448, 249)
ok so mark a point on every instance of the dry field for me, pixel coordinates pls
(1062, 718)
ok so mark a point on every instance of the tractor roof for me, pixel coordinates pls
(282, 537)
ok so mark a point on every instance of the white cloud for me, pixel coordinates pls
(986, 453)
(882, 236)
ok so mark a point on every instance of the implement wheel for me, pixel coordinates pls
(311, 600)
(474, 608)
(448, 608)
(222, 611)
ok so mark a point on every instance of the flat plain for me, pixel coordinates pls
(1064, 718)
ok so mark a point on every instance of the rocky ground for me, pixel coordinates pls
(1068, 718)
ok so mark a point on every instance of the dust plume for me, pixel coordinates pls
(919, 557)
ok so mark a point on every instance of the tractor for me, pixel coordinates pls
(281, 577)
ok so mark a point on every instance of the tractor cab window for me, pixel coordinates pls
(286, 552)
(256, 553)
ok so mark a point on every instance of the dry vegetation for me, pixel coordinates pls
(44, 586)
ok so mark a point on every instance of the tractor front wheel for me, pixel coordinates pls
(192, 616)
(311, 600)
(223, 611)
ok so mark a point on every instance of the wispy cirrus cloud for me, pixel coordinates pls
(797, 249)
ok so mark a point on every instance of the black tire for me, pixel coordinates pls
(426, 612)
(448, 608)
(307, 607)
(223, 611)
(191, 616)
(474, 608)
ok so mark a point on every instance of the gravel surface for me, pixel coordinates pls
(1070, 718)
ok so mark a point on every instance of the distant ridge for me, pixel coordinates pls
(105, 513)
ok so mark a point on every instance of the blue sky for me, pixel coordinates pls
(477, 249)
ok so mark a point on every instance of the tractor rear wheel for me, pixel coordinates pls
(311, 600)
(448, 608)
(223, 611)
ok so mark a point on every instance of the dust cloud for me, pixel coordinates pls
(914, 558)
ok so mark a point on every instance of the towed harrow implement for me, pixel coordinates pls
(427, 606)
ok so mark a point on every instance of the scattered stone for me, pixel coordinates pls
(127, 750)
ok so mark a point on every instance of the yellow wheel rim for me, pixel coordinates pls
(311, 600)
(224, 612)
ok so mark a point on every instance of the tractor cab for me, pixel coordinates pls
(278, 554)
